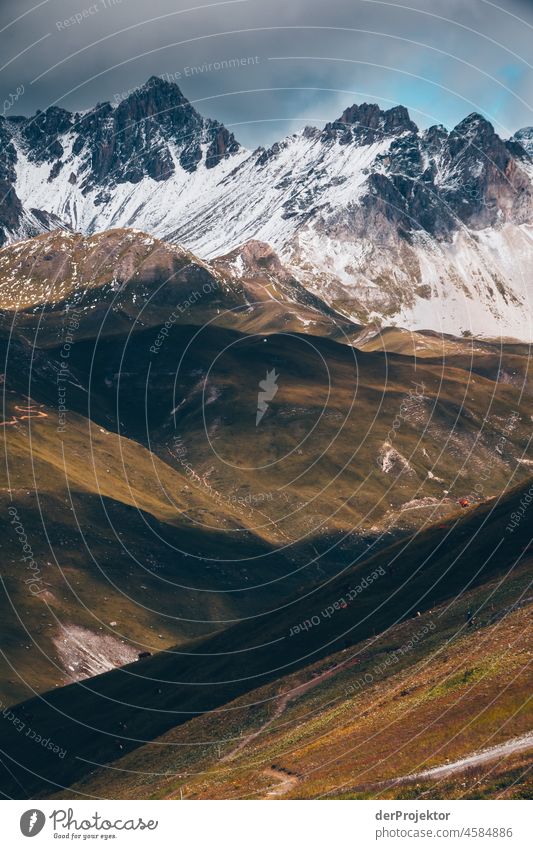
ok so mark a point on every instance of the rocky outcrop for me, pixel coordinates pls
(367, 123)
(524, 138)
(485, 184)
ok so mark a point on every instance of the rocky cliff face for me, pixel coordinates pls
(524, 138)
(10, 205)
(388, 223)
(147, 135)
(17, 220)
(367, 123)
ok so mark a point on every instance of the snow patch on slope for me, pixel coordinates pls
(84, 653)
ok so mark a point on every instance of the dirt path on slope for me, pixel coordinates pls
(30, 412)
(285, 779)
(517, 744)
(280, 707)
(282, 704)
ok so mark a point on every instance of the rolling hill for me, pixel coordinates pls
(140, 476)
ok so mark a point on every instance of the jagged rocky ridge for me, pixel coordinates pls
(387, 223)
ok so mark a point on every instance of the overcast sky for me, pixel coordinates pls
(306, 60)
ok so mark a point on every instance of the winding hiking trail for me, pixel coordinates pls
(285, 779)
(282, 704)
(30, 412)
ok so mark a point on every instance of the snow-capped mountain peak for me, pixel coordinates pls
(427, 229)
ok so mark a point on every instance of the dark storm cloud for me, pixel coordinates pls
(265, 69)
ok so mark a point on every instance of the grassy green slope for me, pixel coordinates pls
(116, 536)
(359, 723)
(436, 567)
(330, 495)
(352, 441)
